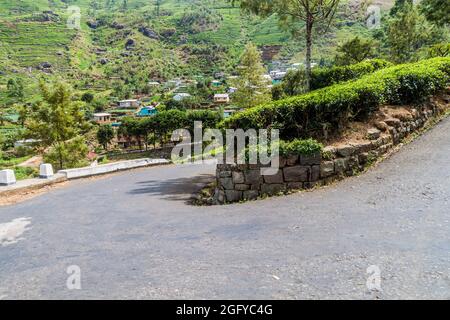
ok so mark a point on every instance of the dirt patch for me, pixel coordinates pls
(33, 162)
(27, 195)
(357, 131)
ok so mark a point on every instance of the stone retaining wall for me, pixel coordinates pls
(244, 182)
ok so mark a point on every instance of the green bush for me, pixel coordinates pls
(324, 77)
(22, 173)
(306, 115)
(300, 147)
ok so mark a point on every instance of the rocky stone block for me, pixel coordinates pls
(340, 165)
(271, 189)
(241, 187)
(224, 174)
(276, 178)
(311, 159)
(362, 146)
(296, 173)
(315, 173)
(226, 183)
(233, 195)
(238, 177)
(326, 169)
(363, 158)
(353, 163)
(345, 150)
(219, 195)
(393, 122)
(295, 185)
(291, 160)
(252, 176)
(250, 195)
(381, 125)
(373, 134)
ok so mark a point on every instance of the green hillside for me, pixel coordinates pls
(180, 38)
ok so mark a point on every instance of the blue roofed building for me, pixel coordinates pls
(147, 111)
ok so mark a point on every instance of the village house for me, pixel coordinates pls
(277, 74)
(131, 103)
(26, 143)
(216, 83)
(221, 98)
(154, 84)
(147, 111)
(102, 118)
(174, 83)
(228, 113)
(232, 90)
(181, 96)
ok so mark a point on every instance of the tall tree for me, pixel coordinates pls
(437, 11)
(58, 123)
(105, 134)
(290, 12)
(398, 5)
(251, 86)
(407, 32)
(15, 88)
(354, 50)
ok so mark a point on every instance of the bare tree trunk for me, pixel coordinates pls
(309, 26)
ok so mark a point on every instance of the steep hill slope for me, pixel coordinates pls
(131, 42)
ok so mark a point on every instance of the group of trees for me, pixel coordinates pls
(156, 129)
(407, 31)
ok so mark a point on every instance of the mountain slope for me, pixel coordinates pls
(128, 46)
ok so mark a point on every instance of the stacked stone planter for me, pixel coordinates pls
(297, 172)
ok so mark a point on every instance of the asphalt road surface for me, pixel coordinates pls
(132, 235)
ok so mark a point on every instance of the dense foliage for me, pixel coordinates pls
(158, 128)
(332, 107)
(58, 123)
(355, 50)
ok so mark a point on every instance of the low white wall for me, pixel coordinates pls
(111, 167)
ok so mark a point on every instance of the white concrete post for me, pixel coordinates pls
(7, 177)
(46, 171)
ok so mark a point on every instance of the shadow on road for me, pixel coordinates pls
(180, 189)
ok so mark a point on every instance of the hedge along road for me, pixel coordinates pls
(133, 236)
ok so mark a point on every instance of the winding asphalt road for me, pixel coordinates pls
(134, 236)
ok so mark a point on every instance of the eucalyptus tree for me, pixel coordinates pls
(291, 12)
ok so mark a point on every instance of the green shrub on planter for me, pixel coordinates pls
(324, 77)
(288, 148)
(307, 115)
(300, 147)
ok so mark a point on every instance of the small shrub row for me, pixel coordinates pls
(330, 108)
